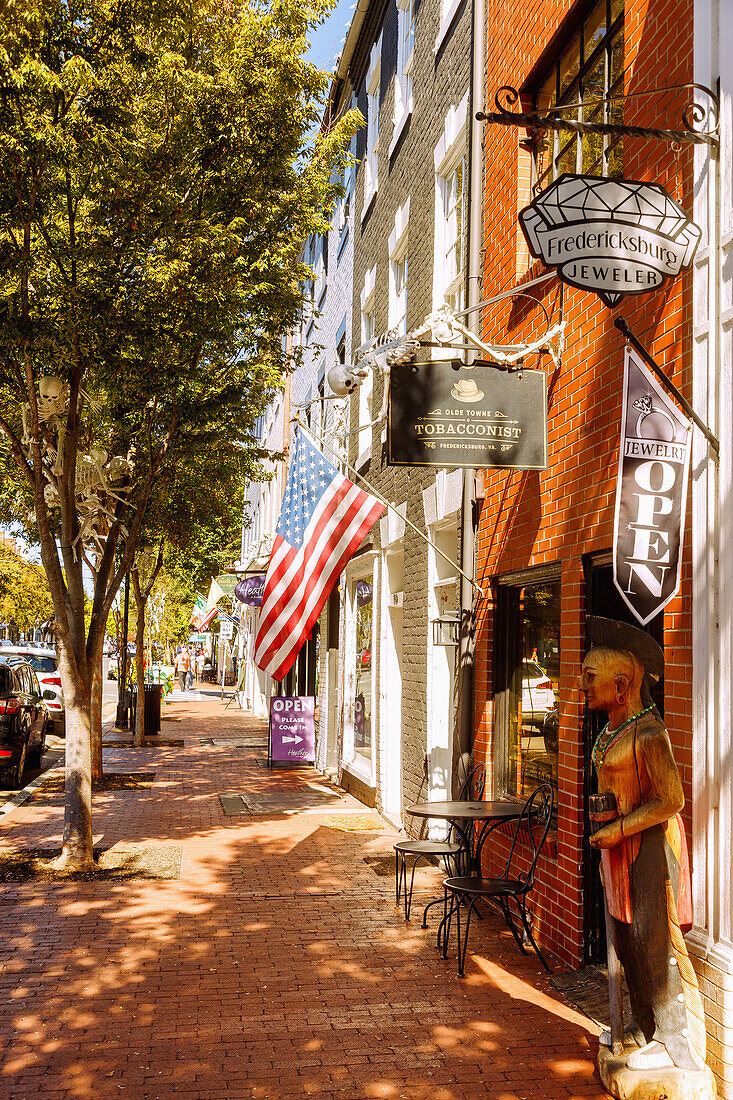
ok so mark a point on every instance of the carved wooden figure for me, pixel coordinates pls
(645, 871)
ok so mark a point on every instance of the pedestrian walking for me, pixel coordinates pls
(183, 662)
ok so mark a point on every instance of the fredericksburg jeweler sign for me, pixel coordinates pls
(479, 417)
(613, 237)
(651, 491)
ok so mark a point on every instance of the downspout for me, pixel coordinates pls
(473, 294)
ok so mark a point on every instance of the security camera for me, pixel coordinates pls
(342, 380)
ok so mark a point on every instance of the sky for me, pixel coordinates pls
(328, 39)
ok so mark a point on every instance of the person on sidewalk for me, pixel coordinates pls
(183, 662)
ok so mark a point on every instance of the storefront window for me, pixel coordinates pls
(528, 717)
(585, 81)
(364, 600)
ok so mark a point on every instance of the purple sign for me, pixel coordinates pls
(293, 728)
(250, 589)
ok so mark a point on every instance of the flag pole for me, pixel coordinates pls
(387, 504)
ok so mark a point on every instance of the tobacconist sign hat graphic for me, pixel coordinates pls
(610, 236)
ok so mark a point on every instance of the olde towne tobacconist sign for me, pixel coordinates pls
(651, 492)
(613, 237)
(479, 417)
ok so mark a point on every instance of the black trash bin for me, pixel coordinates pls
(153, 694)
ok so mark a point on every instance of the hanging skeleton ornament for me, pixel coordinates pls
(96, 474)
(52, 403)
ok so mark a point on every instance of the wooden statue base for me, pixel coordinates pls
(653, 1084)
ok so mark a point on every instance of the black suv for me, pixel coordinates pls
(23, 717)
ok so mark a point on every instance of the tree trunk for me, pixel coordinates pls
(140, 600)
(96, 721)
(77, 852)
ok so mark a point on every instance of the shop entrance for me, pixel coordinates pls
(602, 597)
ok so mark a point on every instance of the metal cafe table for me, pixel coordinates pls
(487, 815)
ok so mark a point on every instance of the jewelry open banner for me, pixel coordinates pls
(651, 492)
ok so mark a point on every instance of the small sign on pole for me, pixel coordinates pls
(292, 729)
(226, 629)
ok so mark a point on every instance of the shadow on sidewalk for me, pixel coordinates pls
(276, 967)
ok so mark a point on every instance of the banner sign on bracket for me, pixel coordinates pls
(250, 589)
(610, 236)
(479, 417)
(651, 493)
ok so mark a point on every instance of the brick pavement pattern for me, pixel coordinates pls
(276, 967)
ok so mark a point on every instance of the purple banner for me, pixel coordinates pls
(293, 728)
(250, 589)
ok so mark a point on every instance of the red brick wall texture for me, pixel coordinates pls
(561, 514)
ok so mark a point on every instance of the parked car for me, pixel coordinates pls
(538, 696)
(45, 664)
(23, 717)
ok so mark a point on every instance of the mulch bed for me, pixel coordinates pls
(112, 781)
(121, 862)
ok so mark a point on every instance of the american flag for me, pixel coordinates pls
(323, 519)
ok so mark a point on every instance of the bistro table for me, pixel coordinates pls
(461, 814)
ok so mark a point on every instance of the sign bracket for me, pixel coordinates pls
(693, 118)
(622, 326)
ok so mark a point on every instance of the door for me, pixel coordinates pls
(602, 598)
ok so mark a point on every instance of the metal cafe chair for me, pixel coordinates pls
(450, 850)
(465, 892)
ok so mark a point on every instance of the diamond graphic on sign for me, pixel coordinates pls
(613, 237)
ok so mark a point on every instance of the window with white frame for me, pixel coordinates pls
(320, 266)
(403, 76)
(450, 210)
(448, 12)
(365, 391)
(371, 166)
(398, 270)
(343, 210)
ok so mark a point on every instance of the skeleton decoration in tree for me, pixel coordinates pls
(97, 475)
(52, 401)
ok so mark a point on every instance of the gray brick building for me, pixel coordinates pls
(408, 69)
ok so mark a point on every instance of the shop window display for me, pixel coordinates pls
(363, 671)
(528, 715)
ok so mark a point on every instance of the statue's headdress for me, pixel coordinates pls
(611, 634)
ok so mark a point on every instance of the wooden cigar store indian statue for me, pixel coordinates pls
(645, 872)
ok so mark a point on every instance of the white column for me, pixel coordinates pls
(711, 939)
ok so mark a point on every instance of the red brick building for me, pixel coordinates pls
(545, 537)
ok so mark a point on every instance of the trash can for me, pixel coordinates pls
(153, 693)
(152, 708)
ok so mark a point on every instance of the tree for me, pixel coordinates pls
(24, 596)
(154, 197)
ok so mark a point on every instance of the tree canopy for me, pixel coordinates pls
(156, 187)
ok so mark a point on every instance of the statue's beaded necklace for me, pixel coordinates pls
(608, 737)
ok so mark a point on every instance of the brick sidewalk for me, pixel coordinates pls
(277, 966)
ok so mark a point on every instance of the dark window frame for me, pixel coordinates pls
(556, 144)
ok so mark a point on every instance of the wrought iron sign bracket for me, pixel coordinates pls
(667, 382)
(699, 119)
